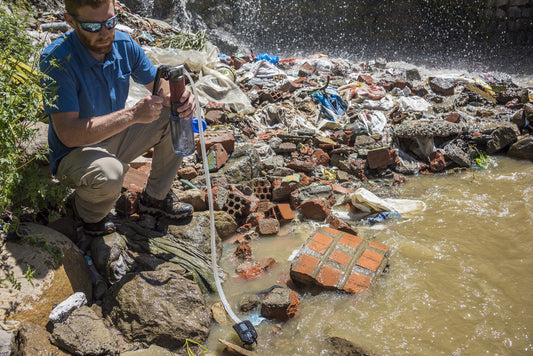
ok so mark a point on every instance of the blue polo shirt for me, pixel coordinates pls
(83, 84)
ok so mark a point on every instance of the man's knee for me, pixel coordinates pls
(108, 173)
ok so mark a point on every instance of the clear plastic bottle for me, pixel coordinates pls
(181, 129)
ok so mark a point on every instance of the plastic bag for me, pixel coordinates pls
(367, 202)
(332, 104)
(413, 103)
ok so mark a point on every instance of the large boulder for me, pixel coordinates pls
(84, 333)
(43, 269)
(522, 149)
(180, 312)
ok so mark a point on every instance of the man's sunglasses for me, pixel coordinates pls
(97, 26)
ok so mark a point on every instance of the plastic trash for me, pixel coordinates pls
(380, 217)
(224, 58)
(268, 57)
(333, 105)
(367, 202)
(413, 103)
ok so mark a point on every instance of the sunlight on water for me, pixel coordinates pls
(459, 281)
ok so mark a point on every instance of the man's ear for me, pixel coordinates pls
(69, 19)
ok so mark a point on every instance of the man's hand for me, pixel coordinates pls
(148, 109)
(188, 108)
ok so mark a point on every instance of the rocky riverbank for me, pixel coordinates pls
(288, 140)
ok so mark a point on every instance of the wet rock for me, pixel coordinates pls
(243, 252)
(280, 304)
(153, 350)
(9, 331)
(110, 256)
(501, 139)
(219, 313)
(60, 270)
(84, 333)
(337, 346)
(249, 302)
(180, 312)
(35, 340)
(522, 149)
(128, 202)
(459, 152)
(442, 86)
(412, 74)
(196, 232)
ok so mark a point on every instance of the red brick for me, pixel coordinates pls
(187, 173)
(381, 158)
(339, 189)
(370, 260)
(321, 157)
(253, 272)
(302, 269)
(216, 157)
(302, 165)
(363, 78)
(357, 283)
(350, 240)
(286, 212)
(437, 162)
(341, 225)
(268, 226)
(135, 177)
(226, 139)
(453, 117)
(319, 243)
(331, 231)
(315, 209)
(340, 257)
(214, 117)
(328, 276)
(379, 246)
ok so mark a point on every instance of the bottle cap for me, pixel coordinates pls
(195, 125)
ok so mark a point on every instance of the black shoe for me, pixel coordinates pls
(102, 227)
(170, 207)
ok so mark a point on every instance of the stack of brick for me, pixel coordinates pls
(332, 259)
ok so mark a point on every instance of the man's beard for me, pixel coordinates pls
(96, 46)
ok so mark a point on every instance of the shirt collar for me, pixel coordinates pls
(86, 57)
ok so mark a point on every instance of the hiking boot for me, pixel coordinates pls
(102, 227)
(170, 207)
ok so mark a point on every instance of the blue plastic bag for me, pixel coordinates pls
(332, 104)
(269, 57)
(380, 217)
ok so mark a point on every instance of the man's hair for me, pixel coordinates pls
(72, 6)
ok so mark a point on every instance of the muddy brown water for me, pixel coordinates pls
(460, 280)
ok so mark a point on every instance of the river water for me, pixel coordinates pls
(459, 283)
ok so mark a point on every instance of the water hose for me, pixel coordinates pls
(244, 329)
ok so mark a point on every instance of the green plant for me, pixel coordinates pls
(29, 275)
(186, 41)
(13, 281)
(25, 187)
(44, 245)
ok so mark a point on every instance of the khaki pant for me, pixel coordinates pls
(97, 171)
